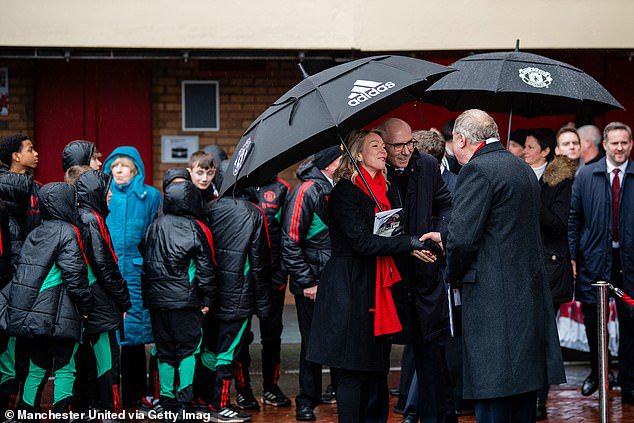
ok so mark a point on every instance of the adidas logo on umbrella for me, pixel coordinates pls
(364, 90)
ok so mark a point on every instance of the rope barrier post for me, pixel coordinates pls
(602, 332)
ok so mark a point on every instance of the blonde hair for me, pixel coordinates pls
(125, 161)
(74, 172)
(355, 142)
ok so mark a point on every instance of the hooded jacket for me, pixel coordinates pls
(133, 207)
(77, 153)
(305, 239)
(16, 191)
(5, 247)
(179, 269)
(109, 289)
(242, 254)
(49, 292)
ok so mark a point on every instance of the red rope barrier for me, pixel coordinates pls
(622, 295)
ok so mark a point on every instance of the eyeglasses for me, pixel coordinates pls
(398, 146)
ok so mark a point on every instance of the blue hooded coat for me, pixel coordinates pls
(133, 207)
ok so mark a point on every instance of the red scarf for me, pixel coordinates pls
(385, 317)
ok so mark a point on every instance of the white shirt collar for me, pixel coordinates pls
(332, 182)
(611, 167)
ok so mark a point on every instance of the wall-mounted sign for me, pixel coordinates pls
(4, 91)
(178, 148)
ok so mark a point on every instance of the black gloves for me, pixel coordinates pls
(429, 245)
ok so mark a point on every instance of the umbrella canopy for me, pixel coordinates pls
(322, 108)
(520, 83)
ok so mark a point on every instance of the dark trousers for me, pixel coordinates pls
(515, 409)
(626, 329)
(14, 367)
(177, 334)
(590, 322)
(435, 393)
(97, 381)
(353, 393)
(378, 408)
(50, 356)
(134, 375)
(271, 332)
(215, 369)
(407, 373)
(309, 373)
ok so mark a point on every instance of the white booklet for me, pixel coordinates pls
(388, 223)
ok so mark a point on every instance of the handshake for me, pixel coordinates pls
(427, 248)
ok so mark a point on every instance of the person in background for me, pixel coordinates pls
(305, 251)
(502, 371)
(179, 284)
(451, 162)
(517, 143)
(133, 206)
(539, 149)
(49, 298)
(221, 161)
(80, 153)
(601, 245)
(591, 148)
(569, 145)
(202, 169)
(97, 381)
(270, 197)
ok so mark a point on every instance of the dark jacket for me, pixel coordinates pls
(342, 333)
(242, 254)
(6, 270)
(421, 191)
(179, 270)
(109, 288)
(15, 191)
(77, 153)
(271, 198)
(556, 185)
(305, 240)
(49, 291)
(494, 248)
(590, 228)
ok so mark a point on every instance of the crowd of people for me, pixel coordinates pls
(489, 242)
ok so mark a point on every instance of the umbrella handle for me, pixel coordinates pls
(508, 136)
(356, 166)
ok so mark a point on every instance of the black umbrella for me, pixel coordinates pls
(322, 108)
(521, 83)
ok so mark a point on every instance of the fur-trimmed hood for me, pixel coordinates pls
(558, 170)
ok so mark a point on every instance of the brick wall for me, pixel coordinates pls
(21, 106)
(246, 89)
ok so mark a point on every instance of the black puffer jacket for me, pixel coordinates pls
(271, 198)
(109, 288)
(305, 240)
(242, 253)
(15, 192)
(5, 247)
(49, 291)
(179, 270)
(77, 153)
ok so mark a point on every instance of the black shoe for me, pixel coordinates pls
(627, 397)
(229, 415)
(590, 385)
(397, 409)
(395, 392)
(410, 418)
(246, 400)
(276, 397)
(329, 396)
(304, 413)
(541, 413)
(613, 382)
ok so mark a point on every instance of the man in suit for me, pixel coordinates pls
(495, 256)
(417, 186)
(601, 214)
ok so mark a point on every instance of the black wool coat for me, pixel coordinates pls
(342, 331)
(494, 248)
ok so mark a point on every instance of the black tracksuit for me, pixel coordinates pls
(48, 295)
(270, 198)
(242, 254)
(98, 355)
(178, 279)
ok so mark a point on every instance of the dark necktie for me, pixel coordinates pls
(616, 191)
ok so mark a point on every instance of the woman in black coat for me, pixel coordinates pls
(354, 310)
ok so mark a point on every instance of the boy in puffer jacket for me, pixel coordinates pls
(178, 285)
(242, 253)
(49, 297)
(110, 291)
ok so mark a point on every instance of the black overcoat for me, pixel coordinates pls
(342, 331)
(494, 247)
